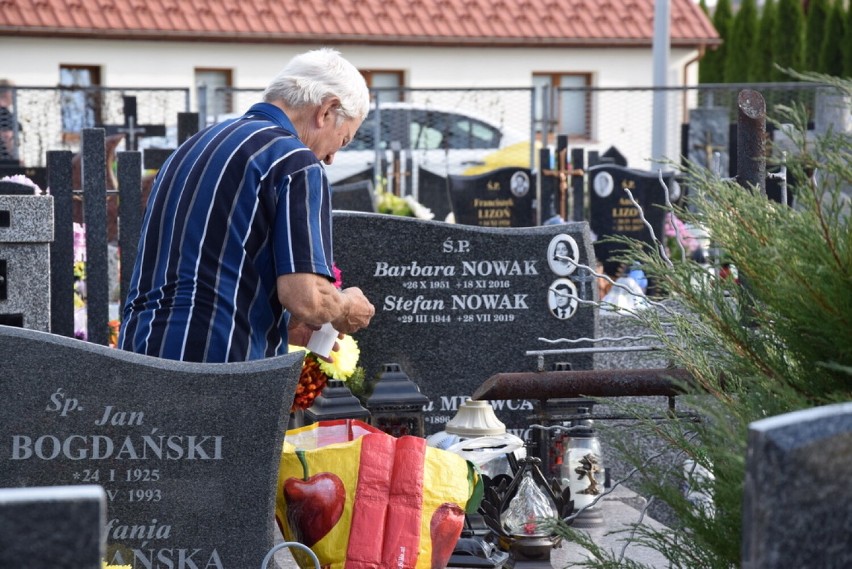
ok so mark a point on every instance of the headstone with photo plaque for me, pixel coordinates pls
(456, 304)
(187, 453)
(501, 198)
(613, 213)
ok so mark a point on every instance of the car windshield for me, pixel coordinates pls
(421, 129)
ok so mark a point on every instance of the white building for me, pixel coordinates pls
(411, 43)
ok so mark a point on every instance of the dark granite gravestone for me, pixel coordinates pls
(500, 198)
(612, 212)
(357, 196)
(708, 134)
(434, 193)
(58, 526)
(615, 156)
(187, 453)
(797, 507)
(456, 304)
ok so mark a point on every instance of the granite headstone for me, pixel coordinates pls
(187, 453)
(613, 213)
(456, 304)
(57, 526)
(434, 193)
(501, 198)
(26, 232)
(357, 196)
(797, 507)
(615, 156)
(707, 137)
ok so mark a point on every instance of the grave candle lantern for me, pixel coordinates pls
(396, 405)
(335, 402)
(549, 436)
(582, 469)
(514, 512)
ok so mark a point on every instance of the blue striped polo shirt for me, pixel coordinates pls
(234, 207)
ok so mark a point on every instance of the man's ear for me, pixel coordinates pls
(327, 111)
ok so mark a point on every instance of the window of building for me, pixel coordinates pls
(386, 84)
(218, 96)
(79, 100)
(563, 104)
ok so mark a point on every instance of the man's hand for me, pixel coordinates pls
(298, 332)
(360, 312)
(312, 299)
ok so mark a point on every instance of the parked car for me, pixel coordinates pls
(404, 138)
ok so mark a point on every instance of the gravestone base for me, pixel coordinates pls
(26, 231)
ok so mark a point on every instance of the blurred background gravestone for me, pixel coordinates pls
(500, 198)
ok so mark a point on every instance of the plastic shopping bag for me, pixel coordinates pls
(360, 498)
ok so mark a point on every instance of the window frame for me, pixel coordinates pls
(554, 104)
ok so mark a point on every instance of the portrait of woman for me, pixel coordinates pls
(563, 254)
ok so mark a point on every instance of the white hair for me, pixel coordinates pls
(315, 76)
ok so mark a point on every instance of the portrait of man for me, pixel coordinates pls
(562, 298)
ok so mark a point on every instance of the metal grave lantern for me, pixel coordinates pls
(515, 510)
(396, 404)
(335, 402)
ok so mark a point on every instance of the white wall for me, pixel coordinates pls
(36, 62)
(622, 121)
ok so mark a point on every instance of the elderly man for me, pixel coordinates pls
(235, 257)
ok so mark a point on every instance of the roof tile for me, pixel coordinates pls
(449, 22)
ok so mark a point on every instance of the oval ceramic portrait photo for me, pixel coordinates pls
(562, 298)
(563, 254)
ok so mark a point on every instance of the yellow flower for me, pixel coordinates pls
(344, 361)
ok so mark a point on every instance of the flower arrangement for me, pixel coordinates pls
(24, 181)
(317, 371)
(390, 203)
(675, 231)
(80, 313)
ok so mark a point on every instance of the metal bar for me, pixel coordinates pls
(598, 350)
(583, 383)
(751, 140)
